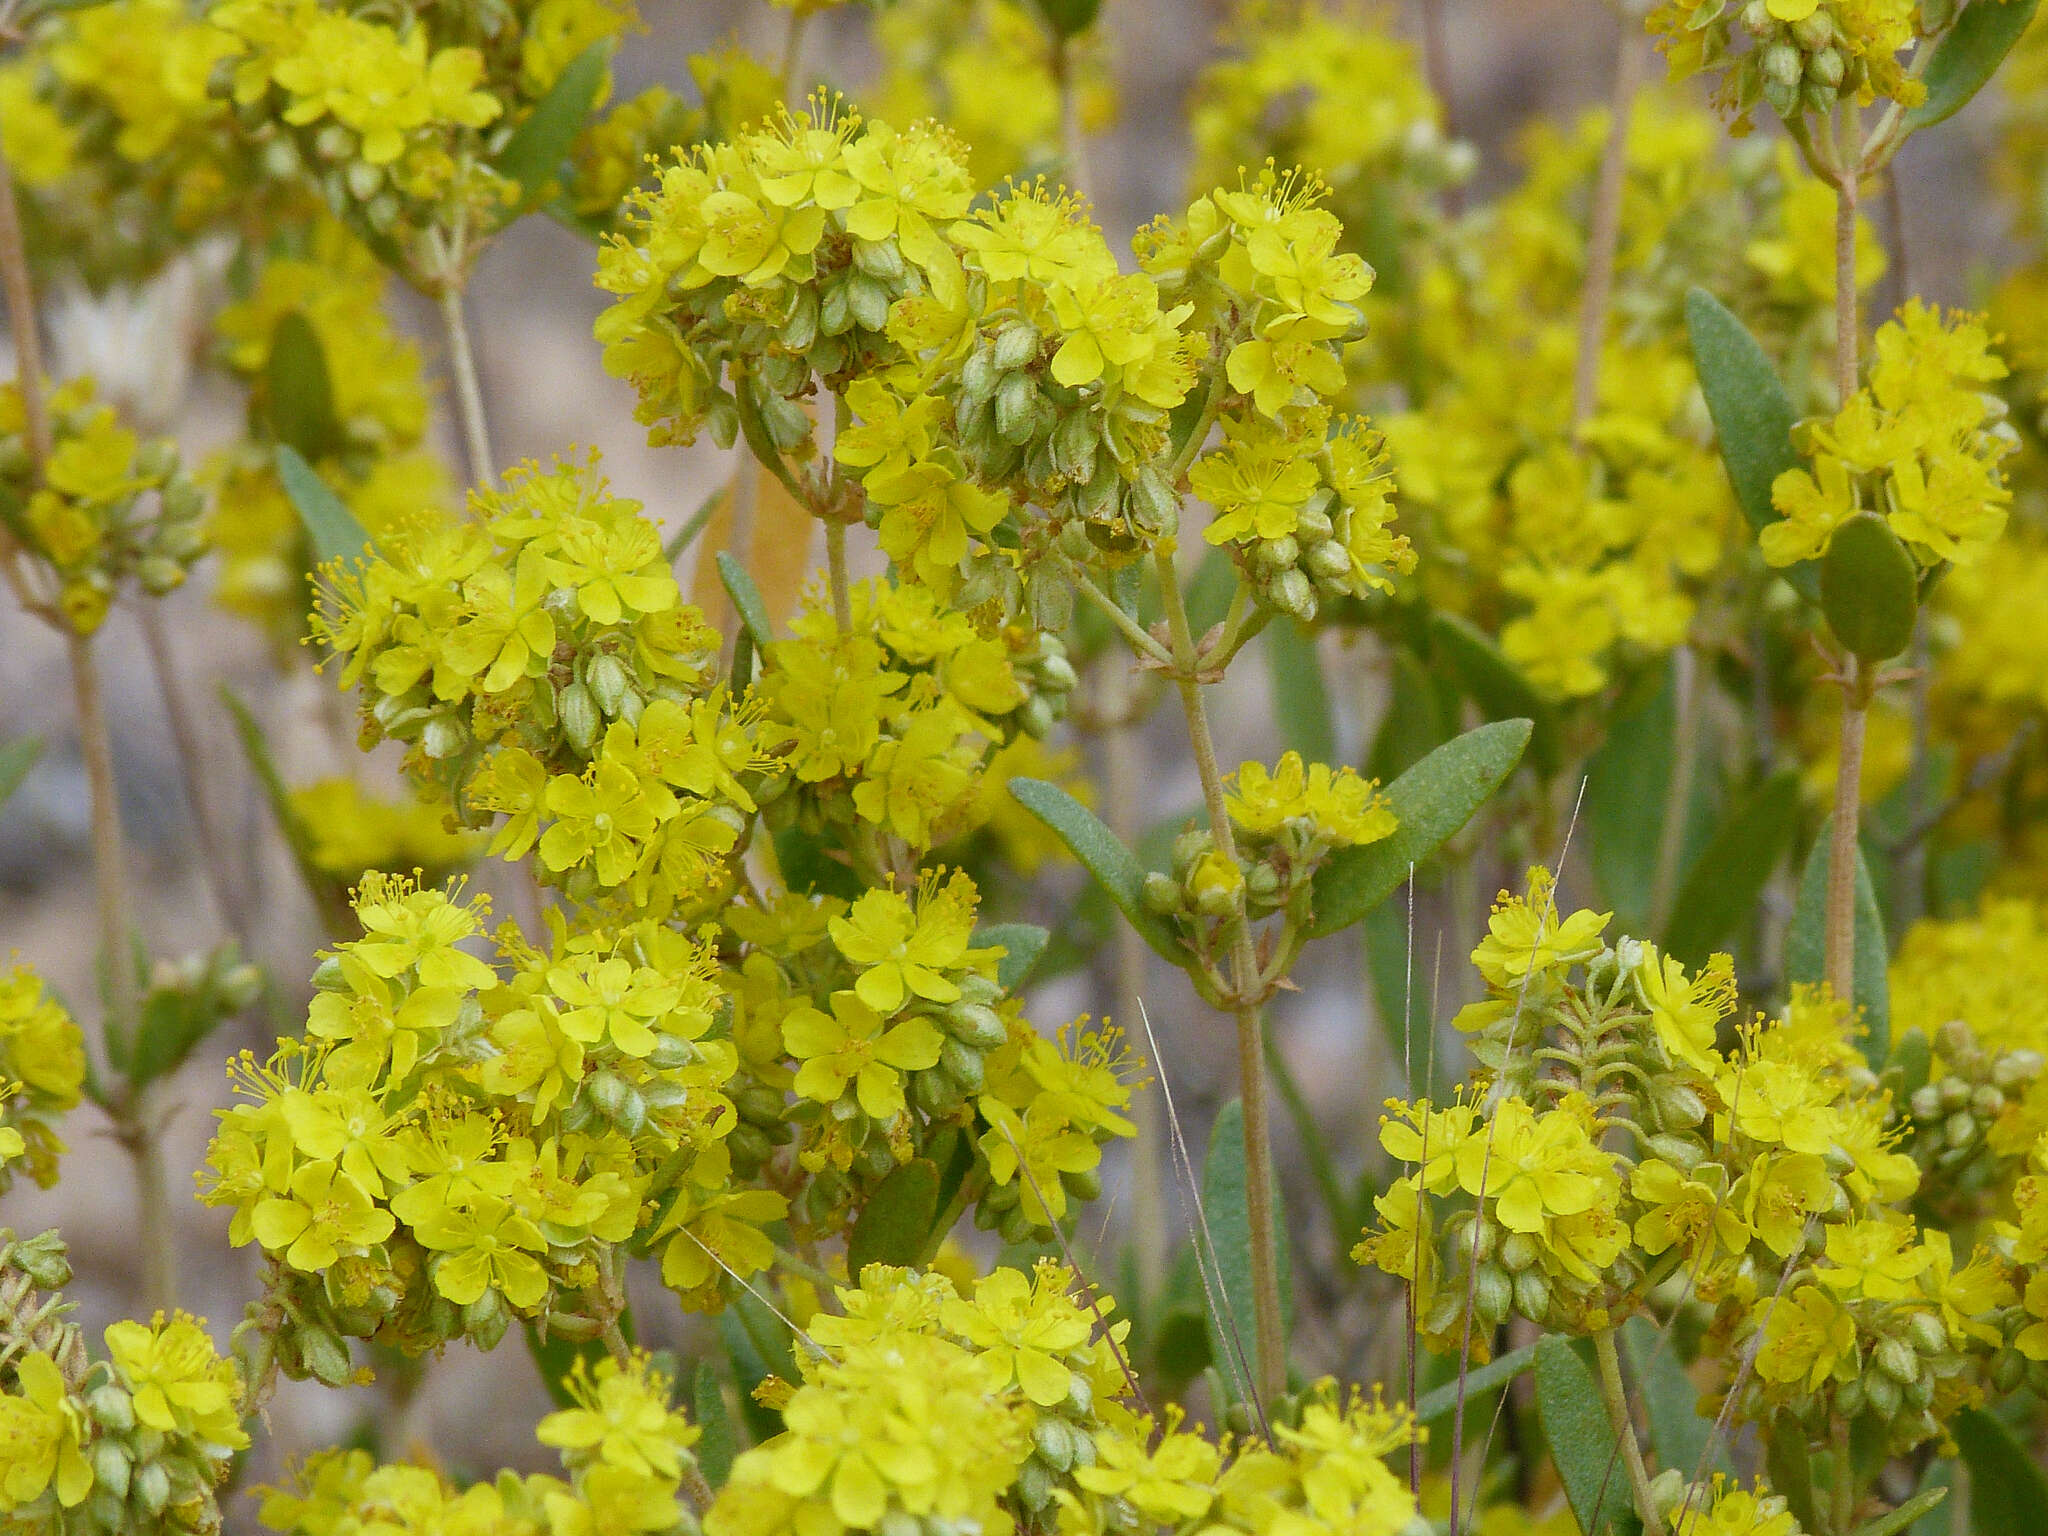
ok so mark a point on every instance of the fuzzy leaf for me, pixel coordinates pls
(746, 601)
(1115, 867)
(1869, 588)
(716, 1446)
(2008, 1489)
(1021, 943)
(16, 758)
(1968, 56)
(1497, 1372)
(1752, 415)
(1627, 783)
(1493, 682)
(1915, 1509)
(1431, 802)
(1582, 1442)
(335, 533)
(1722, 885)
(1681, 1434)
(893, 1224)
(1806, 945)
(534, 154)
(300, 389)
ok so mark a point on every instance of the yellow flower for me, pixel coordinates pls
(1020, 1329)
(42, 1433)
(323, 1213)
(179, 1382)
(851, 1045)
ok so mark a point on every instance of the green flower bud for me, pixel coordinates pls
(1926, 1102)
(979, 376)
(1896, 1358)
(1016, 345)
(1679, 1105)
(1161, 893)
(1987, 1103)
(976, 1025)
(962, 1063)
(1016, 1227)
(1532, 1295)
(1492, 1295)
(1826, 67)
(1926, 1332)
(1056, 675)
(1680, 1151)
(1782, 65)
(1290, 592)
(1883, 1394)
(364, 180)
(938, 1095)
(1814, 32)
(1036, 716)
(1016, 408)
(1328, 561)
(869, 302)
(1050, 1440)
(1757, 19)
(1271, 555)
(1083, 1183)
(1518, 1251)
(1850, 1398)
(111, 1468)
(325, 1356)
(152, 1488)
(607, 679)
(577, 711)
(112, 1408)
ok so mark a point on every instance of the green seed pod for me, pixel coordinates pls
(111, 1468)
(869, 302)
(1492, 1294)
(963, 1064)
(1757, 19)
(1781, 98)
(748, 1146)
(1532, 1295)
(937, 1094)
(1083, 1183)
(1897, 1359)
(1826, 68)
(1926, 1102)
(1056, 675)
(1960, 1129)
(1080, 1402)
(1273, 555)
(1036, 717)
(444, 738)
(1016, 1226)
(1518, 1251)
(1328, 561)
(1955, 1093)
(1883, 1394)
(1016, 345)
(1850, 1398)
(979, 376)
(1016, 408)
(111, 1408)
(1815, 32)
(607, 679)
(151, 1488)
(1926, 1333)
(1050, 1440)
(577, 711)
(1679, 1105)
(1681, 1152)
(1161, 893)
(1290, 592)
(1869, 588)
(1782, 65)
(976, 1025)
(1987, 1103)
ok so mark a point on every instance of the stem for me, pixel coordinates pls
(1603, 237)
(1847, 189)
(220, 876)
(1251, 1064)
(1678, 796)
(21, 315)
(108, 863)
(1616, 1399)
(469, 396)
(835, 563)
(1073, 153)
(152, 1208)
(793, 52)
(1841, 914)
(1140, 641)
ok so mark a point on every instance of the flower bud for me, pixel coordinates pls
(1050, 1440)
(1814, 32)
(1016, 345)
(1016, 1227)
(111, 1408)
(1679, 1105)
(1896, 1358)
(1926, 1332)
(1532, 1295)
(607, 679)
(1518, 1251)
(1271, 555)
(1161, 893)
(443, 738)
(1827, 67)
(111, 1467)
(1016, 408)
(1987, 1103)
(1328, 561)
(962, 1063)
(1291, 592)
(1782, 65)
(152, 1488)
(1492, 1294)
(1083, 1183)
(1883, 1394)
(1757, 19)
(325, 1356)
(977, 1025)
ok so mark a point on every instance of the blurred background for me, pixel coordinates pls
(1509, 62)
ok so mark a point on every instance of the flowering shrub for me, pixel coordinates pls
(680, 980)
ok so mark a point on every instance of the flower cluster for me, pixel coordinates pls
(1802, 55)
(107, 506)
(42, 1069)
(136, 1441)
(397, 121)
(1919, 445)
(626, 1457)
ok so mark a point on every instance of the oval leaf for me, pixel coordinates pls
(895, 1221)
(299, 388)
(1499, 1371)
(1431, 802)
(2008, 1490)
(1301, 702)
(534, 154)
(1683, 1437)
(335, 533)
(1869, 588)
(746, 600)
(1627, 783)
(1806, 944)
(1722, 885)
(716, 1447)
(1021, 944)
(1968, 56)
(1752, 415)
(1492, 682)
(1581, 1440)
(1115, 867)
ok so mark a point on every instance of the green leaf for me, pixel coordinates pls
(2008, 1489)
(1806, 945)
(1180, 1348)
(893, 1224)
(746, 601)
(1941, 1475)
(1913, 1510)
(1209, 593)
(298, 836)
(1115, 867)
(1968, 56)
(1628, 782)
(1301, 702)
(175, 1017)
(753, 1339)
(1068, 17)
(1431, 801)
(1223, 1205)
(335, 533)
(16, 758)
(717, 1445)
(1493, 682)
(299, 388)
(1791, 1468)
(1582, 1442)
(1679, 1432)
(695, 524)
(1869, 588)
(1497, 1372)
(1752, 415)
(534, 154)
(1021, 943)
(1722, 885)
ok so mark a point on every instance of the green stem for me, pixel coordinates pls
(1140, 641)
(469, 396)
(1615, 1397)
(1678, 795)
(1847, 189)
(109, 864)
(835, 563)
(1841, 908)
(159, 1243)
(793, 52)
(1843, 1478)
(1244, 1003)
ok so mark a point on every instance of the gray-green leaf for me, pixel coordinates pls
(1021, 944)
(1968, 56)
(2008, 1490)
(1229, 1223)
(534, 154)
(1103, 855)
(335, 533)
(1722, 885)
(1581, 1440)
(300, 389)
(1431, 801)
